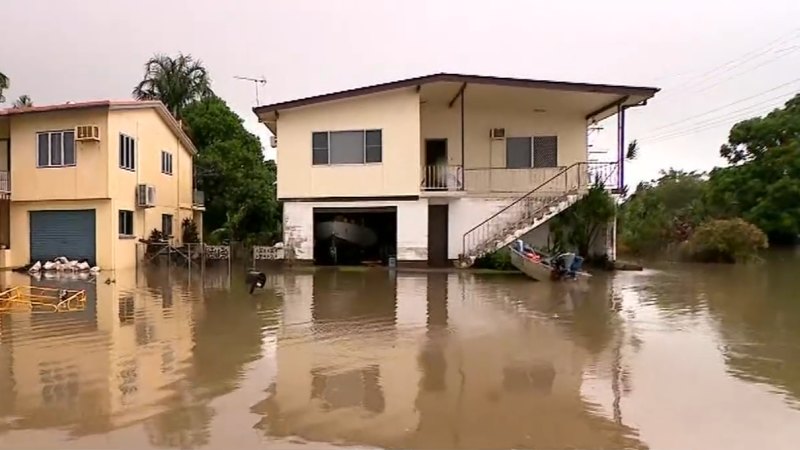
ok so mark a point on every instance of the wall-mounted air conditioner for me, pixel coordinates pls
(497, 133)
(87, 133)
(145, 195)
(273, 141)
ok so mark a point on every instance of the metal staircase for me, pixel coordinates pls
(534, 208)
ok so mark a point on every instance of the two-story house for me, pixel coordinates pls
(439, 167)
(88, 180)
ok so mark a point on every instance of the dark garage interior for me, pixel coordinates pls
(355, 236)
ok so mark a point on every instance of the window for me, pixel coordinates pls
(127, 152)
(125, 223)
(55, 149)
(346, 147)
(166, 225)
(526, 152)
(166, 162)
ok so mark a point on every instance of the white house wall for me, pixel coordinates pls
(412, 226)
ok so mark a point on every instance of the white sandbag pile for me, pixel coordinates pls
(62, 264)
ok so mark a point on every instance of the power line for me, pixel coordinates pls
(781, 54)
(724, 121)
(781, 97)
(726, 105)
(747, 56)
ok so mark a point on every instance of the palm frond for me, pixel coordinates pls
(176, 82)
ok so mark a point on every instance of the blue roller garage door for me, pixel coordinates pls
(63, 233)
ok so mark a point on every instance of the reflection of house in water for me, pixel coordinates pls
(98, 369)
(469, 371)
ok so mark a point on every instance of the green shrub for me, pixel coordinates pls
(499, 260)
(189, 231)
(727, 241)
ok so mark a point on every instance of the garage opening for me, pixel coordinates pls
(63, 233)
(355, 236)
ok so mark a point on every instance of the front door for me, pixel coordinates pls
(437, 235)
(436, 163)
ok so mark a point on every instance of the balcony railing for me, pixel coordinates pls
(443, 178)
(505, 180)
(5, 183)
(198, 198)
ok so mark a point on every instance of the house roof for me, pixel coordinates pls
(159, 107)
(622, 90)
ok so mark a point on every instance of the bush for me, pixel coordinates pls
(499, 260)
(727, 241)
(189, 233)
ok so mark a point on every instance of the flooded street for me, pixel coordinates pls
(677, 356)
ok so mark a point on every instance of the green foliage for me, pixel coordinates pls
(662, 212)
(176, 82)
(729, 241)
(499, 260)
(24, 101)
(763, 183)
(238, 183)
(189, 233)
(4, 84)
(579, 225)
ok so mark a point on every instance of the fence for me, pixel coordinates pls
(189, 254)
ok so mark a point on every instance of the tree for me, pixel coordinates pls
(4, 83)
(176, 82)
(662, 212)
(239, 184)
(762, 184)
(579, 225)
(24, 101)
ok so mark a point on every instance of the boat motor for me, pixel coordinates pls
(255, 280)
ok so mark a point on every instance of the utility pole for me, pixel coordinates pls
(256, 82)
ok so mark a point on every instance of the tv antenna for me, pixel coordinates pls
(256, 82)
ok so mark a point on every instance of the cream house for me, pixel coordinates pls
(441, 166)
(87, 180)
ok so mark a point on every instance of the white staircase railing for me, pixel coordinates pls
(551, 196)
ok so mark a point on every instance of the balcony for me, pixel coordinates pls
(501, 180)
(198, 198)
(5, 183)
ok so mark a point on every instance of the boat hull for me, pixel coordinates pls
(538, 270)
(350, 232)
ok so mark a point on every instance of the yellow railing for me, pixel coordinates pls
(22, 299)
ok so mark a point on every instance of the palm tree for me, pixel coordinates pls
(177, 82)
(4, 83)
(24, 101)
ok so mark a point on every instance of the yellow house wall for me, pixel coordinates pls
(20, 252)
(172, 191)
(88, 179)
(396, 113)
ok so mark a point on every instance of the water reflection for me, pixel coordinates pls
(178, 359)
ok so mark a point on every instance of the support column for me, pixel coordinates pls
(621, 146)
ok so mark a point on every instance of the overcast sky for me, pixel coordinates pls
(704, 55)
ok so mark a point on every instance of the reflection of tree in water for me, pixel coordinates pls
(758, 313)
(228, 337)
(755, 308)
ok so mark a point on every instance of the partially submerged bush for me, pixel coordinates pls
(727, 241)
(499, 260)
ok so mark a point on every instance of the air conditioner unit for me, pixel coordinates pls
(145, 195)
(87, 133)
(273, 141)
(497, 133)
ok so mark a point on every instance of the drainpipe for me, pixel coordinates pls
(463, 165)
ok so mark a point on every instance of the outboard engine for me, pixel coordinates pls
(255, 279)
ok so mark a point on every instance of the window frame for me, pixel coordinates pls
(49, 164)
(171, 222)
(166, 163)
(122, 224)
(533, 151)
(132, 157)
(364, 147)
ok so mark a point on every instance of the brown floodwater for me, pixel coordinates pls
(677, 356)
